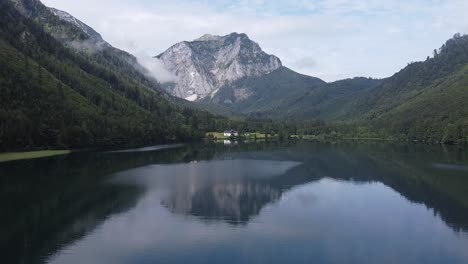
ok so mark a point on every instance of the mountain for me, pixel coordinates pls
(63, 85)
(90, 32)
(205, 65)
(260, 95)
(330, 101)
(74, 32)
(425, 101)
(232, 74)
(57, 95)
(80, 37)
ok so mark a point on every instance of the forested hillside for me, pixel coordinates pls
(261, 95)
(64, 86)
(55, 96)
(426, 101)
(83, 39)
(329, 101)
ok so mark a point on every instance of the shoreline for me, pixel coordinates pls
(12, 156)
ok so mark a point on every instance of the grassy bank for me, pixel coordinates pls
(216, 135)
(31, 154)
(220, 136)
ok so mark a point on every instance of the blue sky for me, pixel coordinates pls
(330, 39)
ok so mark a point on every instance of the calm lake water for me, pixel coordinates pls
(254, 203)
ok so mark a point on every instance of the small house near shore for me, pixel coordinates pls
(231, 133)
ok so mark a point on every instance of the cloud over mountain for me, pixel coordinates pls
(375, 31)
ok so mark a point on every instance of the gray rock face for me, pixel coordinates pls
(77, 34)
(71, 19)
(206, 64)
(93, 43)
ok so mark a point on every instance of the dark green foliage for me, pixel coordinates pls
(52, 96)
(425, 102)
(267, 93)
(329, 101)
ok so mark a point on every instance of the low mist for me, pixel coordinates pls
(155, 68)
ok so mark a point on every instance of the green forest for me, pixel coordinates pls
(53, 96)
(56, 96)
(424, 102)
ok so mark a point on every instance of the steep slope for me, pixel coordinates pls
(75, 34)
(232, 74)
(264, 94)
(54, 96)
(210, 62)
(330, 101)
(90, 32)
(414, 80)
(426, 100)
(62, 26)
(438, 114)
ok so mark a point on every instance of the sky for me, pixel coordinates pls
(329, 39)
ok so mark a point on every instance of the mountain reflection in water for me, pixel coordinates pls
(50, 204)
(236, 191)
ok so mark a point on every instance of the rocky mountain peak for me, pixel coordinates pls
(208, 37)
(208, 63)
(73, 32)
(71, 19)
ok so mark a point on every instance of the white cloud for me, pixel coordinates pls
(344, 38)
(155, 67)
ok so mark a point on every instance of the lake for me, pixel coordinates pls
(246, 203)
